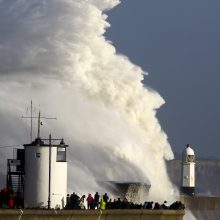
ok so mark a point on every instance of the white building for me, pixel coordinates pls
(45, 169)
(188, 171)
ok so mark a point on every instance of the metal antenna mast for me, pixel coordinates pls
(31, 120)
(38, 126)
(39, 123)
(31, 133)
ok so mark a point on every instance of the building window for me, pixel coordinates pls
(61, 154)
(190, 158)
(37, 155)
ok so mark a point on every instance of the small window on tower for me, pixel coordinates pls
(61, 154)
(37, 155)
(190, 158)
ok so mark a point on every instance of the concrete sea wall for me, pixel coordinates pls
(7, 214)
(203, 207)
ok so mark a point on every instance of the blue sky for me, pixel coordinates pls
(178, 43)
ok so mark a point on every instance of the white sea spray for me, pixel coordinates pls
(54, 52)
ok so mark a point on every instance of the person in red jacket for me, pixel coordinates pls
(11, 201)
(89, 201)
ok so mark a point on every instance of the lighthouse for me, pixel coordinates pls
(45, 184)
(188, 171)
(37, 174)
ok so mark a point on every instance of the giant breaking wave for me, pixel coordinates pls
(55, 53)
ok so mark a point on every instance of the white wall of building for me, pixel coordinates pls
(58, 181)
(37, 178)
(188, 179)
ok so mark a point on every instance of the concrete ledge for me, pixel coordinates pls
(203, 207)
(30, 214)
(201, 202)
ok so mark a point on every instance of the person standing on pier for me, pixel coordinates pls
(89, 201)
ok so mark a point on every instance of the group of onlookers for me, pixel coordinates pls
(97, 201)
(93, 202)
(178, 205)
(7, 200)
(103, 202)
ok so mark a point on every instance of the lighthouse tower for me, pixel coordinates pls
(45, 184)
(188, 171)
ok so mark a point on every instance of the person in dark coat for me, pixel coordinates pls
(74, 200)
(164, 205)
(156, 205)
(105, 197)
(96, 200)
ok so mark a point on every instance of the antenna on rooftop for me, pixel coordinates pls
(39, 123)
(31, 119)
